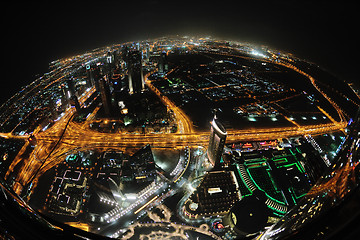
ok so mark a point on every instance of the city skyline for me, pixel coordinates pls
(223, 123)
(186, 120)
(314, 31)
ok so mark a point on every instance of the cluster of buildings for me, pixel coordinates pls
(207, 74)
(204, 80)
(89, 183)
(69, 189)
(116, 76)
(250, 184)
(247, 175)
(217, 191)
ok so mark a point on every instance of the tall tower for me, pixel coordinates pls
(90, 80)
(216, 142)
(105, 95)
(74, 102)
(108, 67)
(163, 63)
(65, 98)
(71, 86)
(135, 72)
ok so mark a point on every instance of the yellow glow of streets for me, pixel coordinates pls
(54, 142)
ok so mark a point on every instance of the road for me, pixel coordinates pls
(66, 135)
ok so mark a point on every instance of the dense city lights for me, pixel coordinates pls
(176, 136)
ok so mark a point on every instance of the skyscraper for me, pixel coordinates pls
(109, 63)
(145, 164)
(163, 63)
(90, 80)
(135, 72)
(216, 142)
(105, 95)
(93, 75)
(75, 103)
(65, 99)
(71, 86)
(109, 58)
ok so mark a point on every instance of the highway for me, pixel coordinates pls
(65, 135)
(45, 148)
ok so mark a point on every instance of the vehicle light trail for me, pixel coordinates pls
(79, 136)
(145, 205)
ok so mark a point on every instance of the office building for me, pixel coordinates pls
(105, 95)
(135, 72)
(216, 142)
(163, 64)
(71, 87)
(91, 76)
(74, 102)
(65, 99)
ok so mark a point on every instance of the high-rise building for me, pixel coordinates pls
(116, 81)
(71, 86)
(116, 59)
(216, 142)
(109, 57)
(163, 63)
(144, 161)
(135, 72)
(74, 102)
(146, 55)
(65, 98)
(109, 63)
(105, 95)
(91, 76)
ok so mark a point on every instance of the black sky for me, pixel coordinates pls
(37, 33)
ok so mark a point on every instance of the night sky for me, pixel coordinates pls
(37, 33)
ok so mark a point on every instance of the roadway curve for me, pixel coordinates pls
(54, 142)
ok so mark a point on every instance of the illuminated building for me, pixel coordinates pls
(216, 194)
(110, 62)
(147, 53)
(116, 59)
(74, 102)
(249, 215)
(143, 159)
(109, 58)
(135, 72)
(93, 75)
(116, 81)
(105, 183)
(64, 96)
(71, 87)
(216, 142)
(105, 95)
(163, 63)
(90, 80)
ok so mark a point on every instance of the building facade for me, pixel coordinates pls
(216, 142)
(135, 72)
